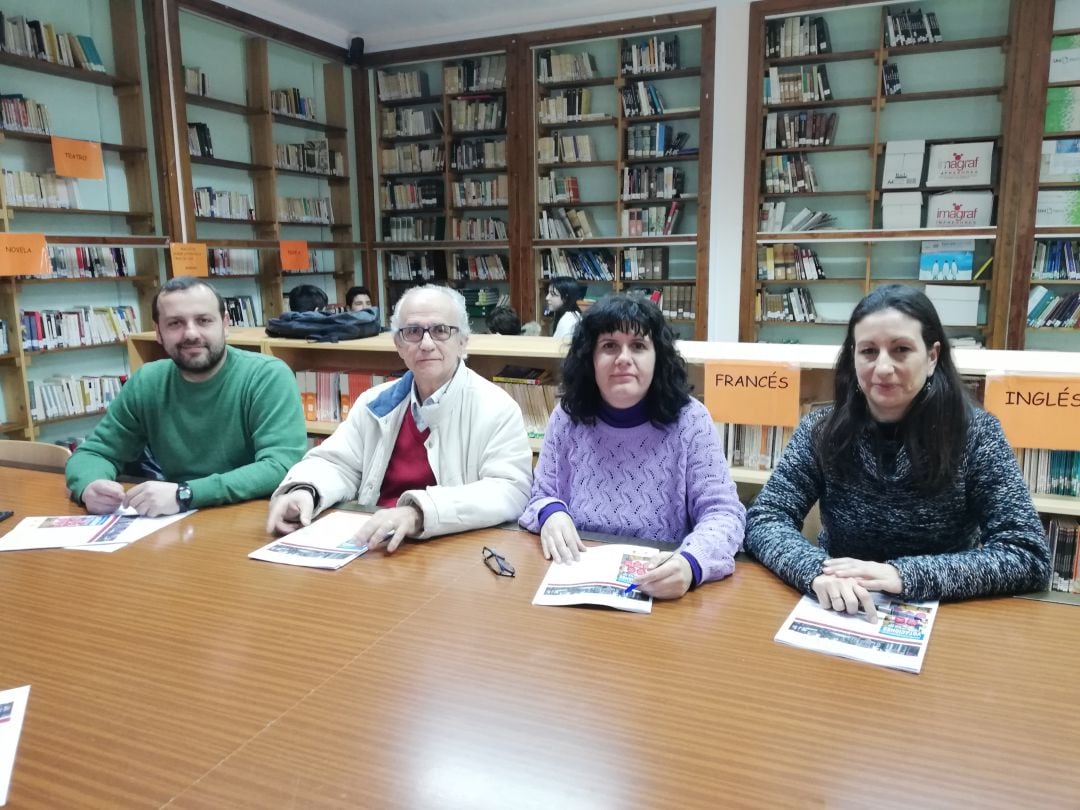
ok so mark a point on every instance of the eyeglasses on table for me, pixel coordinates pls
(497, 563)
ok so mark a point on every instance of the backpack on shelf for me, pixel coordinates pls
(325, 327)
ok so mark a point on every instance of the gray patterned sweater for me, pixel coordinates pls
(977, 537)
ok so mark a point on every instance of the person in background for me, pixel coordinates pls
(307, 298)
(357, 298)
(223, 424)
(919, 492)
(562, 298)
(441, 450)
(503, 321)
(629, 452)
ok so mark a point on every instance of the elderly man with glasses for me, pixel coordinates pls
(441, 450)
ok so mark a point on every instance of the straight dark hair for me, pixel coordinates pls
(934, 429)
(569, 289)
(636, 315)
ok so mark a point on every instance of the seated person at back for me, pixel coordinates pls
(357, 298)
(307, 298)
(224, 424)
(562, 305)
(441, 450)
(628, 451)
(503, 321)
(919, 493)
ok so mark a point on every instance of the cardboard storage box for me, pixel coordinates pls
(960, 164)
(960, 209)
(956, 305)
(903, 164)
(901, 210)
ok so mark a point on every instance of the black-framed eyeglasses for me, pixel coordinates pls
(438, 331)
(497, 563)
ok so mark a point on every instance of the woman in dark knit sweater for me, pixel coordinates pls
(920, 494)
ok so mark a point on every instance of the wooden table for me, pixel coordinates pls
(178, 673)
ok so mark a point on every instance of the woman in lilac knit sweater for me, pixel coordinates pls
(630, 452)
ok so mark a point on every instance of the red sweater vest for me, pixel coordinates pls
(409, 467)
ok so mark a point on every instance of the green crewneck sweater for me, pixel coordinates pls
(232, 438)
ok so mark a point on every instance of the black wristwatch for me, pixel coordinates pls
(183, 496)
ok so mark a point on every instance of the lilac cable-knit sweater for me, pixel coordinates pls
(667, 483)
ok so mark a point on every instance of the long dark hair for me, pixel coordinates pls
(569, 289)
(933, 430)
(636, 315)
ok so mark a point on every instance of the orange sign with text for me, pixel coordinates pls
(73, 158)
(294, 255)
(24, 254)
(1038, 412)
(750, 393)
(188, 259)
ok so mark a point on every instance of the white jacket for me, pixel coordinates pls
(477, 448)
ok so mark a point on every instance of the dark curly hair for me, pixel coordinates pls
(933, 430)
(634, 314)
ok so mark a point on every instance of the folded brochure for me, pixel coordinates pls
(325, 543)
(600, 577)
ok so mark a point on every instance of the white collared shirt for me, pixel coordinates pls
(415, 404)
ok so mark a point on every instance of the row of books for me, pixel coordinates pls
(1050, 472)
(1048, 309)
(655, 140)
(552, 66)
(47, 329)
(468, 229)
(797, 85)
(571, 104)
(890, 79)
(313, 156)
(411, 196)
(222, 204)
(483, 298)
(292, 102)
(199, 141)
(556, 188)
(562, 223)
(796, 36)
(327, 396)
(753, 447)
(584, 265)
(40, 40)
(536, 401)
(806, 128)
(559, 148)
(196, 81)
(410, 267)
(1056, 259)
(789, 174)
(241, 310)
(651, 182)
(402, 84)
(470, 267)
(471, 193)
(1061, 535)
(413, 229)
(21, 114)
(232, 262)
(653, 55)
(771, 219)
(88, 261)
(911, 27)
(61, 396)
(467, 115)
(412, 157)
(35, 190)
(4, 347)
(675, 303)
(403, 122)
(472, 75)
(785, 261)
(796, 305)
(641, 99)
(653, 220)
(486, 154)
(305, 209)
(644, 263)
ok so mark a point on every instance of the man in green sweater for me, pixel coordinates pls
(224, 424)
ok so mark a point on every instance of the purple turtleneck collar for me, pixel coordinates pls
(630, 417)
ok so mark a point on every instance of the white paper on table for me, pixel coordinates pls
(326, 543)
(897, 640)
(12, 710)
(83, 531)
(600, 577)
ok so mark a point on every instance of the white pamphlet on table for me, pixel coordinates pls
(87, 532)
(12, 711)
(600, 577)
(326, 543)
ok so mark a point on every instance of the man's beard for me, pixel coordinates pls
(197, 364)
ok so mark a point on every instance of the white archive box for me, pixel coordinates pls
(960, 164)
(901, 210)
(960, 209)
(903, 164)
(956, 305)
